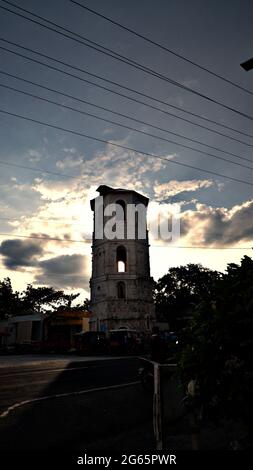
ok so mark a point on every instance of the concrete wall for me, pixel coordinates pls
(22, 329)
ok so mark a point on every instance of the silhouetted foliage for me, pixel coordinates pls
(35, 300)
(69, 299)
(218, 346)
(85, 305)
(10, 302)
(181, 289)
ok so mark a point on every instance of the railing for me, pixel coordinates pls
(169, 403)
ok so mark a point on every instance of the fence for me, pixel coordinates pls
(169, 411)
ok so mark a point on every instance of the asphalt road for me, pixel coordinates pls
(73, 404)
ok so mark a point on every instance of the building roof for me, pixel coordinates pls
(104, 190)
(24, 318)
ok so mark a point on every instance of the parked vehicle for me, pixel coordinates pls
(163, 350)
(91, 342)
(124, 341)
(172, 344)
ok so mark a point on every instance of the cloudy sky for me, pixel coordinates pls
(216, 212)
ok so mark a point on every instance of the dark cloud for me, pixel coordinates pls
(64, 271)
(218, 225)
(20, 253)
(68, 264)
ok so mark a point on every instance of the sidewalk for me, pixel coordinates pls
(16, 360)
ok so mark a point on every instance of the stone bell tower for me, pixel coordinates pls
(121, 286)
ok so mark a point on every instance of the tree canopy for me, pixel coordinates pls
(181, 289)
(218, 345)
(9, 300)
(35, 300)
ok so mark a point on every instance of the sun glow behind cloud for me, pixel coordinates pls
(63, 212)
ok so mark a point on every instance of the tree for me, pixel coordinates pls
(69, 299)
(180, 290)
(85, 305)
(218, 346)
(9, 300)
(35, 299)
(67, 303)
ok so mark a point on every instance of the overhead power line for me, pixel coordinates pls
(45, 274)
(44, 238)
(37, 170)
(57, 221)
(123, 95)
(138, 130)
(124, 147)
(127, 116)
(203, 247)
(171, 246)
(161, 46)
(114, 55)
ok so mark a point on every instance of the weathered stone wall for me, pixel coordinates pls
(136, 310)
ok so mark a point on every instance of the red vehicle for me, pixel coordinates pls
(91, 342)
(125, 341)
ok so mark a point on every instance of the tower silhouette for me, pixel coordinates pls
(121, 286)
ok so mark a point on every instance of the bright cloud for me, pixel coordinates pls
(174, 187)
(218, 226)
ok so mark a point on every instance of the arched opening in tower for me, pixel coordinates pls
(121, 290)
(121, 259)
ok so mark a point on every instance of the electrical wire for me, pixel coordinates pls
(122, 58)
(121, 94)
(153, 246)
(141, 152)
(140, 131)
(161, 46)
